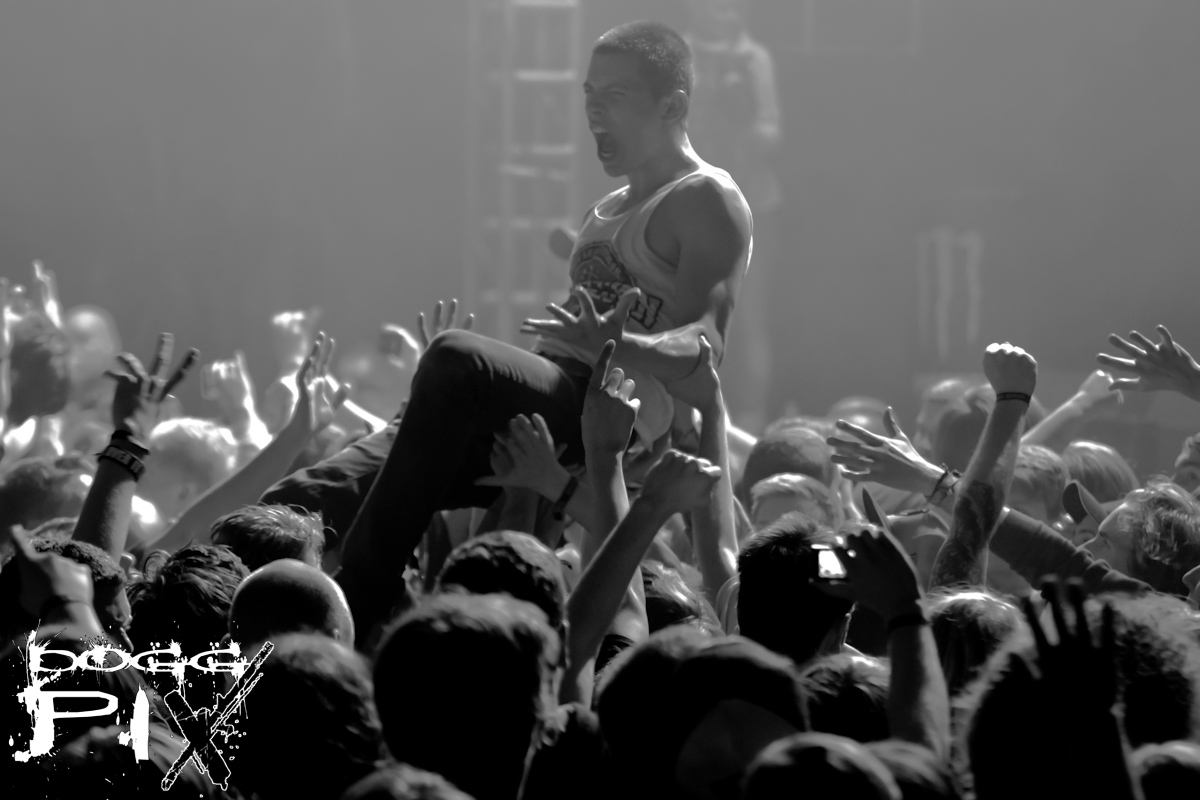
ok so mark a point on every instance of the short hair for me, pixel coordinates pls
(1158, 677)
(512, 563)
(1041, 473)
(776, 605)
(1100, 469)
(824, 764)
(847, 695)
(818, 498)
(310, 727)
(187, 599)
(467, 707)
(960, 424)
(262, 534)
(664, 55)
(202, 450)
(968, 626)
(402, 782)
(802, 451)
(1165, 521)
(289, 596)
(36, 490)
(38, 369)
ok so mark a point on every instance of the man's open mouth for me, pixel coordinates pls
(605, 146)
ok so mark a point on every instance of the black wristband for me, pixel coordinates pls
(1024, 398)
(560, 505)
(125, 458)
(124, 439)
(905, 620)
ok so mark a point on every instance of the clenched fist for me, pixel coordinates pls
(1008, 368)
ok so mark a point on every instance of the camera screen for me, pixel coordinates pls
(829, 566)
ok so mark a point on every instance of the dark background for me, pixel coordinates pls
(196, 166)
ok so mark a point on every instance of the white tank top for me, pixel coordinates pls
(610, 256)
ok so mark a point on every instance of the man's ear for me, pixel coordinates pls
(675, 106)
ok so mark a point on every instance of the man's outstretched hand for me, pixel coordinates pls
(140, 393)
(1161, 366)
(445, 317)
(590, 329)
(890, 460)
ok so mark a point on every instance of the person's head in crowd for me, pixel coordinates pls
(467, 708)
(188, 456)
(919, 772)
(960, 419)
(846, 695)
(934, 402)
(92, 335)
(402, 782)
(1167, 771)
(780, 494)
(777, 605)
(39, 381)
(799, 451)
(289, 596)
(259, 535)
(968, 626)
(865, 412)
(1187, 465)
(1153, 535)
(818, 765)
(671, 601)
(1038, 482)
(512, 563)
(823, 426)
(1100, 469)
(310, 728)
(36, 490)
(186, 597)
(712, 705)
(1158, 679)
(653, 66)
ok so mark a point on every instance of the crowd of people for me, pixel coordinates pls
(497, 574)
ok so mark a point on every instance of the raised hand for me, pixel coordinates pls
(1080, 672)
(679, 482)
(608, 408)
(1009, 369)
(137, 402)
(701, 389)
(441, 323)
(1098, 388)
(1162, 366)
(46, 289)
(879, 574)
(589, 330)
(891, 460)
(293, 333)
(227, 383)
(526, 458)
(320, 396)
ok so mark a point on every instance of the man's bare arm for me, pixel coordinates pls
(984, 487)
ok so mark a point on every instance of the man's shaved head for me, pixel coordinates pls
(289, 596)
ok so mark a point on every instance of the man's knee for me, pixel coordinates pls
(452, 359)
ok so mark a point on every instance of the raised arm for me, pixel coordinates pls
(714, 525)
(981, 494)
(104, 518)
(675, 484)
(880, 577)
(1056, 430)
(703, 227)
(244, 487)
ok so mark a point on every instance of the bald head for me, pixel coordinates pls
(289, 596)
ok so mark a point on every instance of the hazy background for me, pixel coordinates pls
(195, 165)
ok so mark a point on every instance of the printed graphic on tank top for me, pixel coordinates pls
(611, 256)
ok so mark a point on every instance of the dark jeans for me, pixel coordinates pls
(466, 389)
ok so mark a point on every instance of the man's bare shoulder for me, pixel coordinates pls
(709, 202)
